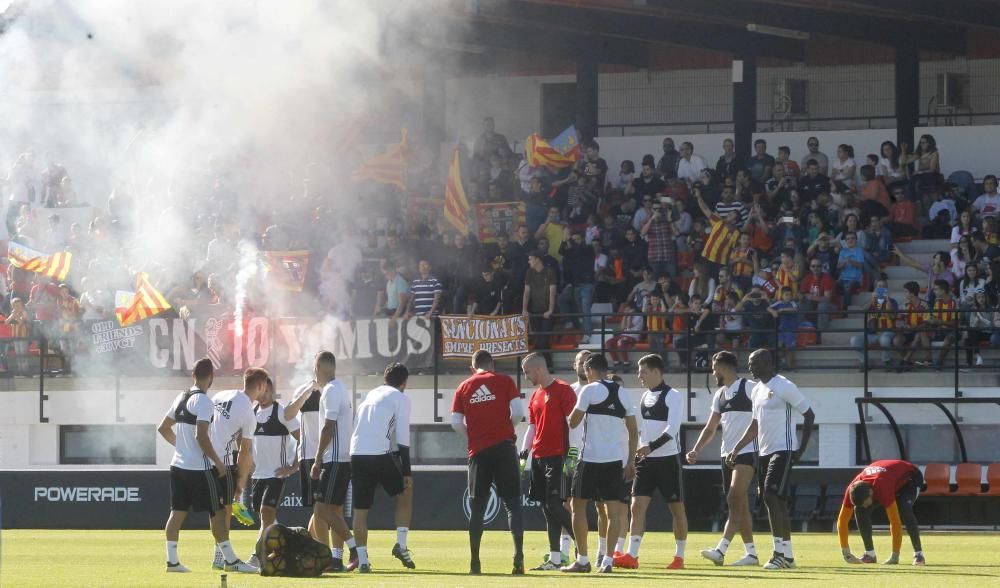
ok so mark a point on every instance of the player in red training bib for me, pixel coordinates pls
(894, 484)
(485, 409)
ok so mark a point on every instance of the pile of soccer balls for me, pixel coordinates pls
(290, 551)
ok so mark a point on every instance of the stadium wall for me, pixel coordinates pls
(75, 403)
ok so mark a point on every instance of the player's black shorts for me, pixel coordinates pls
(599, 481)
(547, 479)
(660, 473)
(368, 472)
(774, 473)
(267, 492)
(226, 486)
(306, 482)
(334, 478)
(496, 465)
(749, 458)
(195, 489)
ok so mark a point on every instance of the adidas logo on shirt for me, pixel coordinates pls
(483, 394)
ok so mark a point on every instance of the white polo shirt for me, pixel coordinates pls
(335, 405)
(605, 438)
(234, 420)
(187, 453)
(773, 403)
(382, 423)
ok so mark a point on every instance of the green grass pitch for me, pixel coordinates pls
(136, 558)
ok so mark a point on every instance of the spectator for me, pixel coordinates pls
(696, 320)
(913, 318)
(659, 233)
(988, 203)
(755, 306)
(785, 311)
(813, 183)
(489, 142)
(395, 300)
(537, 203)
(717, 298)
(874, 196)
(553, 231)
(460, 271)
(928, 164)
(625, 177)
(618, 346)
(611, 234)
(719, 243)
(547, 260)
(971, 282)
(779, 187)
(878, 241)
(539, 303)
(487, 293)
(962, 255)
(936, 270)
(591, 231)
(903, 213)
(69, 319)
(577, 294)
(731, 321)
(426, 293)
(785, 159)
(742, 261)
(982, 321)
(993, 282)
(702, 284)
(730, 203)
(816, 295)
(964, 227)
(648, 184)
(889, 168)
(942, 320)
(593, 167)
(881, 325)
(613, 282)
(761, 163)
(667, 166)
(656, 310)
(944, 211)
(845, 168)
(814, 154)
(690, 164)
(789, 273)
(850, 268)
(682, 224)
(729, 162)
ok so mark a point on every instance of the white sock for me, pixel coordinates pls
(564, 542)
(871, 553)
(786, 547)
(607, 561)
(916, 553)
(362, 554)
(172, 552)
(401, 536)
(620, 545)
(227, 551)
(337, 553)
(750, 548)
(723, 546)
(602, 545)
(779, 547)
(555, 556)
(582, 559)
(680, 548)
(217, 558)
(351, 543)
(633, 545)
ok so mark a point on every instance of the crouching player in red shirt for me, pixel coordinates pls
(894, 484)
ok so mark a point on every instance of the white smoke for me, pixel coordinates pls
(248, 267)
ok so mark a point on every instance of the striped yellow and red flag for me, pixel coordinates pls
(54, 266)
(146, 302)
(456, 206)
(541, 154)
(388, 167)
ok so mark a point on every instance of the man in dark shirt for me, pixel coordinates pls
(648, 183)
(487, 293)
(593, 165)
(761, 163)
(578, 281)
(460, 270)
(759, 321)
(813, 183)
(539, 302)
(634, 253)
(667, 167)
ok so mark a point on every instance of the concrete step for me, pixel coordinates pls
(927, 246)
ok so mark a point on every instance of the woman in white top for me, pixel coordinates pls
(963, 253)
(927, 158)
(844, 169)
(964, 228)
(889, 166)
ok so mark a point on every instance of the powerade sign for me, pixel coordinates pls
(87, 494)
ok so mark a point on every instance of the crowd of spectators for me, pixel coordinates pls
(765, 244)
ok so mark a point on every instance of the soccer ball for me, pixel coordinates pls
(275, 540)
(274, 565)
(308, 565)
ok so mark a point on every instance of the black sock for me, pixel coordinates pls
(476, 515)
(515, 521)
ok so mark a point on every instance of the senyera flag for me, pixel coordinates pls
(146, 302)
(54, 266)
(286, 270)
(388, 167)
(456, 205)
(563, 151)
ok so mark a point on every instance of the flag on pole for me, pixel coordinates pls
(54, 266)
(388, 167)
(456, 206)
(541, 154)
(567, 143)
(146, 302)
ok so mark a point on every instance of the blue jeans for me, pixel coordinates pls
(578, 299)
(884, 340)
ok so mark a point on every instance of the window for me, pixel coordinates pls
(107, 444)
(437, 445)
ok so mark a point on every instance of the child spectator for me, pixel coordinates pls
(657, 319)
(619, 345)
(742, 261)
(850, 268)
(981, 323)
(786, 312)
(731, 327)
(761, 325)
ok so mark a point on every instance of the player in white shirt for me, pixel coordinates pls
(608, 457)
(331, 469)
(274, 458)
(732, 408)
(573, 455)
(232, 434)
(380, 456)
(658, 462)
(774, 398)
(196, 470)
